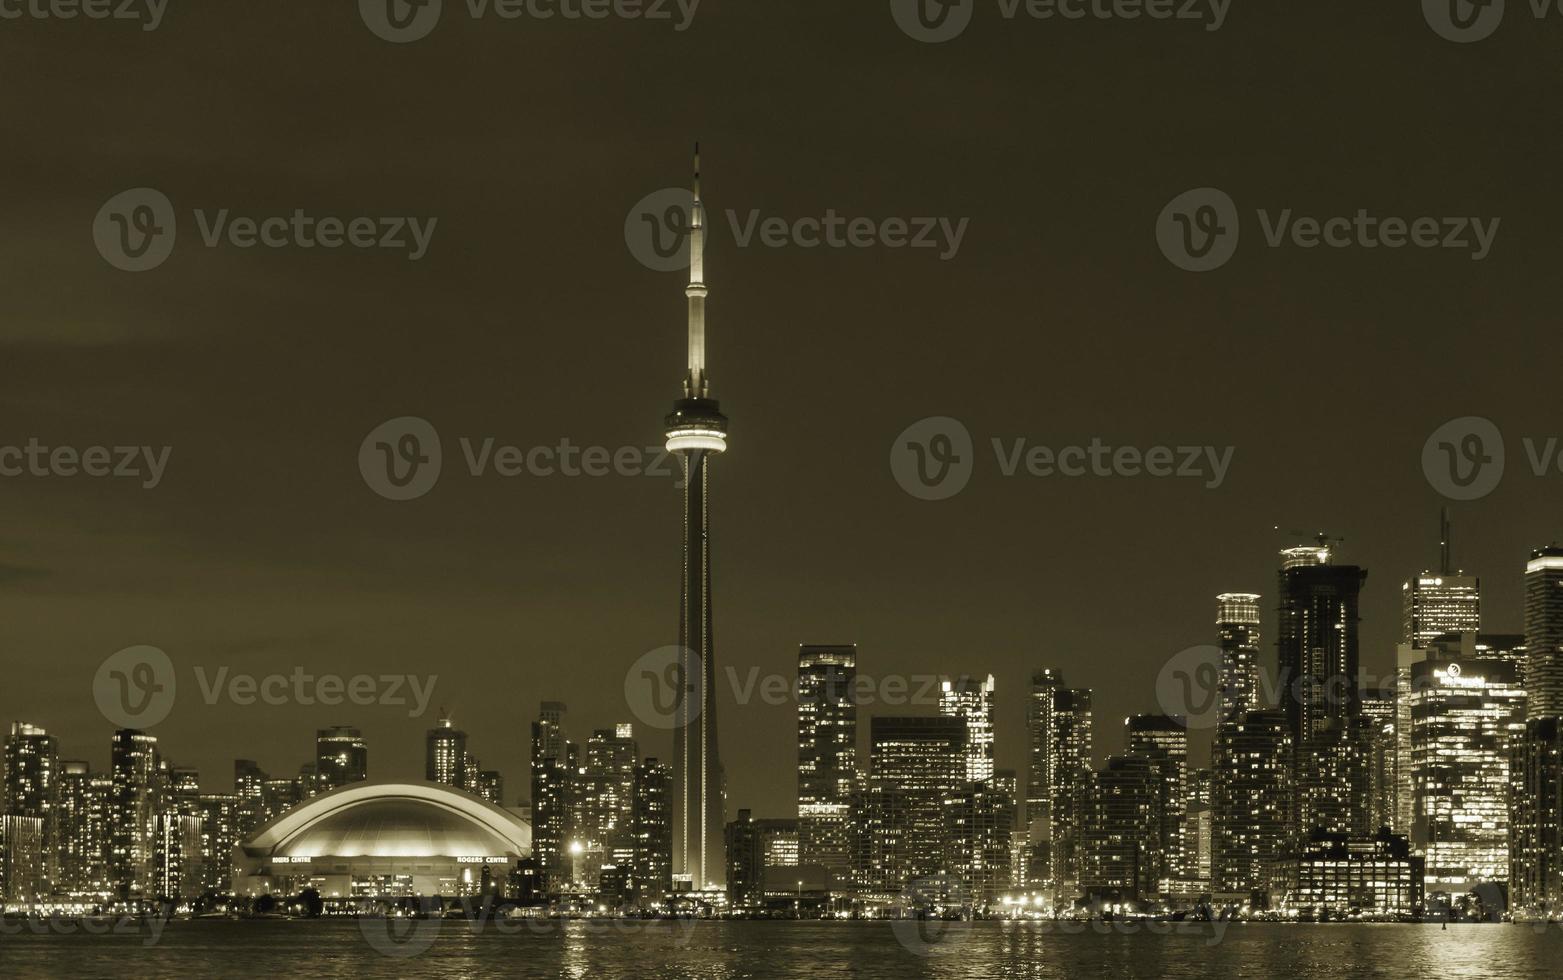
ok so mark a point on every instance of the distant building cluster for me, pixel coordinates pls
(146, 833)
(1438, 792)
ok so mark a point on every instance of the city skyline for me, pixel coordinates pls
(1058, 321)
(1139, 695)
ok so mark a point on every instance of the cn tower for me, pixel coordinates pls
(697, 432)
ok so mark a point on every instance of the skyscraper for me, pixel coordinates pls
(553, 771)
(1198, 827)
(1237, 623)
(979, 825)
(32, 790)
(1318, 656)
(696, 432)
(1380, 736)
(445, 755)
(652, 878)
(1073, 756)
(827, 755)
(1544, 632)
(80, 848)
(971, 700)
(1437, 602)
(21, 860)
(1251, 803)
(1465, 711)
(1041, 755)
(1164, 741)
(916, 763)
(1536, 819)
(1120, 850)
(602, 802)
(135, 802)
(341, 757)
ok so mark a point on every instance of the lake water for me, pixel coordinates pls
(761, 950)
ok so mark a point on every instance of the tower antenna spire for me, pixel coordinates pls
(696, 384)
(1445, 546)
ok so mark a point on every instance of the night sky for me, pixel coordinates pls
(529, 320)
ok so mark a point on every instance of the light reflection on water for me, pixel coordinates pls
(764, 950)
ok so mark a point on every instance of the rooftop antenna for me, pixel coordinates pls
(1445, 546)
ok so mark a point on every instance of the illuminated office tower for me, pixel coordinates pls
(178, 867)
(1120, 849)
(1437, 602)
(651, 820)
(1041, 761)
(827, 755)
(554, 762)
(77, 861)
(1251, 804)
(971, 701)
(1536, 820)
(1072, 772)
(341, 757)
(32, 790)
(249, 785)
(745, 863)
(1544, 632)
(219, 836)
(1164, 740)
(602, 797)
(21, 860)
(696, 434)
(915, 763)
(1381, 743)
(1198, 827)
(1318, 655)
(135, 801)
(979, 826)
(445, 754)
(1237, 623)
(1465, 713)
